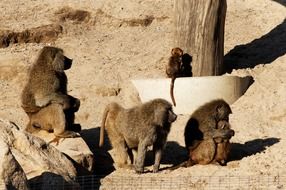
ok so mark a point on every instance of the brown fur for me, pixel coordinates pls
(47, 85)
(137, 128)
(223, 145)
(173, 69)
(203, 131)
(47, 81)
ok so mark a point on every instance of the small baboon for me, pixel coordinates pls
(137, 128)
(53, 118)
(173, 69)
(223, 145)
(47, 82)
(45, 98)
(203, 130)
(179, 65)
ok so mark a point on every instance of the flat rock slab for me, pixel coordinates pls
(75, 148)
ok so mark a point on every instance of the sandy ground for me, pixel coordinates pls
(116, 43)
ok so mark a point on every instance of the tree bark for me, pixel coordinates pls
(199, 31)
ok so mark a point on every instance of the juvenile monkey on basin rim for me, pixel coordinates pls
(173, 69)
(179, 65)
(137, 128)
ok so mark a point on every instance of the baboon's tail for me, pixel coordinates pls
(172, 90)
(101, 136)
(183, 164)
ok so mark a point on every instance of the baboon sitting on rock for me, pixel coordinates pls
(44, 97)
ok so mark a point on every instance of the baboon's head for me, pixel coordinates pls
(163, 113)
(54, 58)
(177, 52)
(222, 111)
(222, 124)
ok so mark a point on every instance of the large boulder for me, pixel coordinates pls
(75, 148)
(45, 166)
(12, 175)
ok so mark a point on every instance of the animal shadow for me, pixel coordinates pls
(186, 67)
(103, 164)
(174, 153)
(282, 2)
(239, 151)
(260, 51)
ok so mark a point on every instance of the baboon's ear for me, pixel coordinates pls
(58, 62)
(219, 110)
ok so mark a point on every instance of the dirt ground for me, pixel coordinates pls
(114, 41)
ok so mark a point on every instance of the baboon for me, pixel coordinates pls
(179, 65)
(53, 118)
(223, 145)
(203, 122)
(47, 82)
(137, 128)
(173, 69)
(45, 98)
(207, 127)
(213, 150)
(207, 135)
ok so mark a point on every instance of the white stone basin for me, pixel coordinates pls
(192, 92)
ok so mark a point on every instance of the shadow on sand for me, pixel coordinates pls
(239, 151)
(260, 51)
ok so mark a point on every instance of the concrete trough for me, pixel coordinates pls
(192, 92)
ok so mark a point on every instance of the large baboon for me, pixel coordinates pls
(45, 98)
(207, 127)
(137, 128)
(47, 82)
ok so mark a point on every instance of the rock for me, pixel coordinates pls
(107, 91)
(44, 165)
(74, 148)
(12, 175)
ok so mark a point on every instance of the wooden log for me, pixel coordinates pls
(199, 31)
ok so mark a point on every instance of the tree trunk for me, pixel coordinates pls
(199, 31)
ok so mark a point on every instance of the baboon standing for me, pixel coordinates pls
(44, 97)
(137, 128)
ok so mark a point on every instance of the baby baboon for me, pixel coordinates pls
(173, 69)
(47, 81)
(203, 130)
(137, 128)
(223, 145)
(53, 118)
